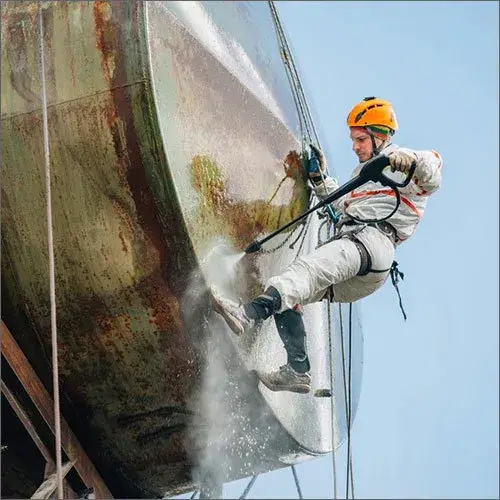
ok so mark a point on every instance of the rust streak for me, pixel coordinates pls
(124, 245)
(121, 120)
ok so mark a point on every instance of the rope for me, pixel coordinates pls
(352, 475)
(297, 485)
(395, 275)
(332, 408)
(306, 125)
(306, 122)
(55, 367)
(248, 487)
(347, 396)
(304, 112)
(349, 458)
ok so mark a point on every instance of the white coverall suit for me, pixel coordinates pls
(337, 263)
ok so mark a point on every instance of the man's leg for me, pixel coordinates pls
(294, 376)
(304, 281)
(307, 278)
(292, 331)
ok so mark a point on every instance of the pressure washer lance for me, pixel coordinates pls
(322, 393)
(371, 171)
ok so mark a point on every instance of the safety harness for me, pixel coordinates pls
(343, 221)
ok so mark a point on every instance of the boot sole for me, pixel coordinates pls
(298, 388)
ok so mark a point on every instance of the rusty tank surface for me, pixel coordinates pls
(174, 143)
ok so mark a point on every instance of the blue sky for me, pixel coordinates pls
(427, 423)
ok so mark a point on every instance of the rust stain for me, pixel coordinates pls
(156, 292)
(124, 245)
(110, 42)
(106, 41)
(106, 36)
(66, 6)
(17, 54)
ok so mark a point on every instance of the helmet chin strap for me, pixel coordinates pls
(382, 144)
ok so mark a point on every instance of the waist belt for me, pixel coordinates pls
(384, 227)
(366, 262)
(343, 231)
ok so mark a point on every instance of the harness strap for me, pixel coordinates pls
(395, 275)
(366, 261)
(366, 268)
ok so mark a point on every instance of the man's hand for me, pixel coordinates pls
(401, 161)
(315, 152)
(316, 167)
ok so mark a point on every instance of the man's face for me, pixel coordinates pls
(361, 144)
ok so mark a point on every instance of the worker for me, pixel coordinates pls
(358, 260)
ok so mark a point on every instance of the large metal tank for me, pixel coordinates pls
(168, 126)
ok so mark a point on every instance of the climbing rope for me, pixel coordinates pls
(332, 408)
(349, 422)
(55, 367)
(347, 396)
(306, 125)
(308, 131)
(248, 487)
(297, 484)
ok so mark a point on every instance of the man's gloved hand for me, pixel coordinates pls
(316, 166)
(401, 160)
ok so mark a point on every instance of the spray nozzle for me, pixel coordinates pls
(255, 246)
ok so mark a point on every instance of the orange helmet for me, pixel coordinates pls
(373, 111)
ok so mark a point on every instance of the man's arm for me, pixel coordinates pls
(427, 176)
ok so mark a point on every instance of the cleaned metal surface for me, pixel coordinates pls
(238, 191)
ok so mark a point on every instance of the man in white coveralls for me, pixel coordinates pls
(357, 262)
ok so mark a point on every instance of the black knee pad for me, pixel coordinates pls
(264, 305)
